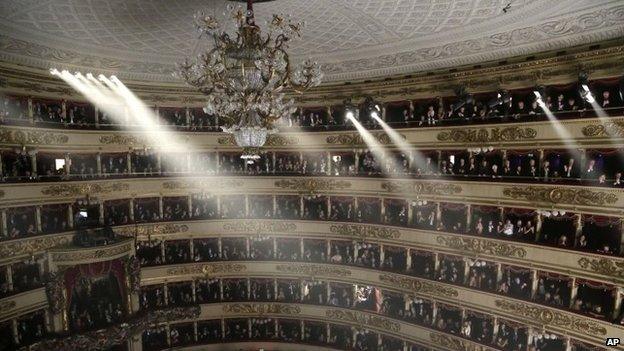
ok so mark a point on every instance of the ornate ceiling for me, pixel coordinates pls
(354, 39)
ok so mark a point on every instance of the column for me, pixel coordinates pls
(38, 219)
(275, 247)
(221, 289)
(533, 283)
(622, 237)
(9, 275)
(1, 173)
(129, 162)
(573, 291)
(273, 162)
(162, 253)
(161, 209)
(187, 117)
(31, 115)
(3, 217)
(97, 117)
(618, 301)
(328, 171)
(246, 205)
(195, 333)
(579, 228)
(538, 227)
(166, 288)
(70, 216)
(192, 248)
(499, 273)
(14, 330)
(274, 205)
(383, 112)
(193, 293)
(434, 312)
(439, 153)
(131, 210)
(466, 270)
(328, 207)
(64, 111)
(220, 247)
(219, 205)
(33, 163)
(410, 214)
(408, 260)
(302, 208)
(494, 329)
(436, 263)
(101, 206)
(356, 157)
(190, 206)
(468, 217)
(98, 163)
(438, 213)
(382, 256)
(383, 210)
(67, 164)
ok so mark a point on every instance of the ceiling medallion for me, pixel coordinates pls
(245, 74)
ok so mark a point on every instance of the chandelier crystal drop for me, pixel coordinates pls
(244, 75)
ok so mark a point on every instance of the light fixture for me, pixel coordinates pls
(244, 75)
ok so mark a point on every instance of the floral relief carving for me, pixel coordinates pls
(609, 129)
(152, 229)
(313, 270)
(364, 319)
(32, 245)
(605, 266)
(23, 137)
(481, 246)
(202, 184)
(132, 268)
(207, 269)
(281, 140)
(261, 308)
(260, 227)
(471, 135)
(455, 344)
(424, 188)
(84, 189)
(552, 317)
(6, 306)
(417, 285)
(356, 139)
(365, 231)
(55, 291)
(80, 255)
(561, 195)
(312, 185)
(123, 140)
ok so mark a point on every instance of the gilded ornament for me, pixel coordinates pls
(54, 288)
(226, 140)
(6, 306)
(202, 184)
(123, 140)
(261, 308)
(260, 227)
(312, 185)
(356, 139)
(561, 195)
(480, 135)
(455, 344)
(364, 319)
(313, 270)
(365, 231)
(97, 254)
(132, 268)
(152, 229)
(32, 245)
(421, 188)
(481, 246)
(207, 269)
(609, 129)
(84, 189)
(25, 137)
(281, 140)
(417, 285)
(604, 266)
(551, 317)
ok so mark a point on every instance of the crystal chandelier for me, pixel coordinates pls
(244, 76)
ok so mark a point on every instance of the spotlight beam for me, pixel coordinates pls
(376, 148)
(400, 142)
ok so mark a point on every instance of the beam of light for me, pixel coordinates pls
(374, 146)
(115, 99)
(561, 131)
(398, 140)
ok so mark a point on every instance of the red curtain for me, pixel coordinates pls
(93, 270)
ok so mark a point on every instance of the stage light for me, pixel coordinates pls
(55, 72)
(375, 114)
(586, 94)
(350, 115)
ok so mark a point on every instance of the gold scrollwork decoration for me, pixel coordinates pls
(202, 184)
(80, 255)
(32, 245)
(226, 140)
(281, 140)
(609, 129)
(418, 286)
(365, 231)
(551, 317)
(313, 270)
(421, 188)
(312, 185)
(261, 308)
(449, 342)
(207, 269)
(561, 195)
(481, 246)
(605, 266)
(84, 189)
(24, 137)
(260, 227)
(472, 135)
(364, 319)
(122, 140)
(356, 139)
(152, 229)
(6, 306)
